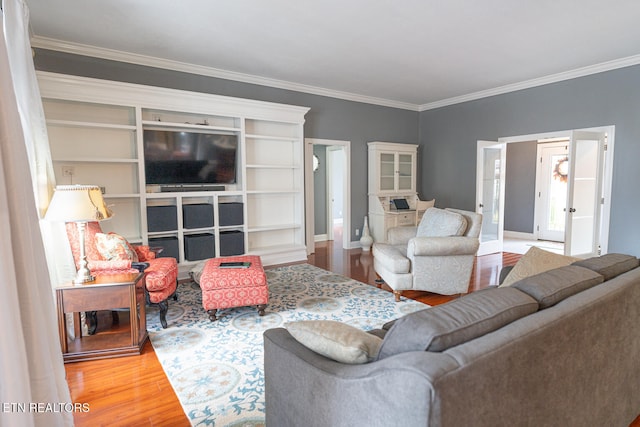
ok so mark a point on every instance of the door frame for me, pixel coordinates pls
(309, 191)
(607, 182)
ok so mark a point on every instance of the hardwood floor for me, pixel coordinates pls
(134, 391)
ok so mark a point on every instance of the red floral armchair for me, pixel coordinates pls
(161, 274)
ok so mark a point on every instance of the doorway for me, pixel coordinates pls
(588, 201)
(333, 193)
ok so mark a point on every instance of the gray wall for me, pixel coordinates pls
(449, 135)
(520, 186)
(328, 118)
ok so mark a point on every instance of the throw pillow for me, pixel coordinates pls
(441, 223)
(536, 261)
(447, 325)
(112, 246)
(335, 340)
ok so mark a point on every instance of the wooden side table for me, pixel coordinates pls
(104, 293)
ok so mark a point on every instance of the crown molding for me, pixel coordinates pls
(115, 55)
(87, 89)
(150, 61)
(553, 78)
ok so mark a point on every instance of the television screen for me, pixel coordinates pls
(187, 157)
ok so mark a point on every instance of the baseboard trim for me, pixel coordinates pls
(355, 244)
(518, 235)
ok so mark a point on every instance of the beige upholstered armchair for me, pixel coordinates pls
(436, 256)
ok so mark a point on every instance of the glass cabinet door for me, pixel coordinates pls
(387, 171)
(405, 172)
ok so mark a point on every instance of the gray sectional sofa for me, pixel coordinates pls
(560, 348)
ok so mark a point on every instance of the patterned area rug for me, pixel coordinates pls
(216, 368)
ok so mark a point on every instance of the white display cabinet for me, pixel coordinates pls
(96, 130)
(392, 175)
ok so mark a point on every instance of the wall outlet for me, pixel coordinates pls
(68, 170)
(357, 231)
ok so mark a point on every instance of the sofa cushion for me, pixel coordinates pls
(335, 340)
(441, 223)
(610, 265)
(535, 261)
(380, 333)
(551, 287)
(447, 325)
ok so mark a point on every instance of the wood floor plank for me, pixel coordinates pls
(134, 390)
(125, 391)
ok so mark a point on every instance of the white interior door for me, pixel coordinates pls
(596, 241)
(551, 190)
(586, 161)
(490, 177)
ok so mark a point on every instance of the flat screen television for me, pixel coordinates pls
(189, 157)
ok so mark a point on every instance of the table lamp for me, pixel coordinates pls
(79, 204)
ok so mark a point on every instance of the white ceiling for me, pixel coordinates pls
(414, 54)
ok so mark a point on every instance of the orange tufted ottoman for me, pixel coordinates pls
(233, 287)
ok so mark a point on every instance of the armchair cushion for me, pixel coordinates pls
(115, 266)
(441, 223)
(401, 235)
(112, 246)
(337, 341)
(442, 246)
(392, 257)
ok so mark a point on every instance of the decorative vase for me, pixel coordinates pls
(366, 240)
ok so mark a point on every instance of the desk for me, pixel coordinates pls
(104, 293)
(381, 222)
(400, 218)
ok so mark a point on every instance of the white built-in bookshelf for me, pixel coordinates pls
(95, 130)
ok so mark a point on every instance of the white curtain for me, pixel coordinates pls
(32, 376)
(59, 259)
